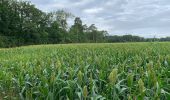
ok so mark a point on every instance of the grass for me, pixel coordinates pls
(86, 71)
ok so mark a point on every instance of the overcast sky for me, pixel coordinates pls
(146, 18)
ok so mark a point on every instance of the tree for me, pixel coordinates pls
(93, 32)
(55, 35)
(77, 30)
(61, 18)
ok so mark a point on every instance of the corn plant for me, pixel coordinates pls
(122, 71)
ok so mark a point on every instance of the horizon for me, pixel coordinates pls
(118, 17)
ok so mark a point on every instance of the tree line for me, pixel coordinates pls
(21, 23)
(132, 38)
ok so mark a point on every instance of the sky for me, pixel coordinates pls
(147, 18)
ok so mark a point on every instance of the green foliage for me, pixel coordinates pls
(122, 71)
(22, 21)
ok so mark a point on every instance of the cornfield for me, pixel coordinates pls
(122, 71)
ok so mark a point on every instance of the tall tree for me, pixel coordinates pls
(93, 32)
(61, 18)
(77, 30)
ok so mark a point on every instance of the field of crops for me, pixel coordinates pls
(122, 71)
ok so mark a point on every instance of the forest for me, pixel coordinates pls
(21, 23)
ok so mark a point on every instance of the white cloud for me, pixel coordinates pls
(93, 10)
